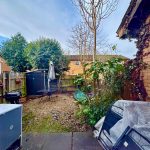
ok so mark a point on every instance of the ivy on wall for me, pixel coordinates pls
(135, 66)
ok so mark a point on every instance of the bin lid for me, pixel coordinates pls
(13, 94)
(4, 108)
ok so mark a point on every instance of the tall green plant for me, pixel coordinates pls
(109, 82)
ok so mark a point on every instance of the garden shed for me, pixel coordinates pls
(136, 24)
(36, 81)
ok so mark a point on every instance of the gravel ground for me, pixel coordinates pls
(60, 107)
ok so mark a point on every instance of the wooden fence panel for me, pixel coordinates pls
(66, 85)
(12, 81)
(126, 93)
(16, 82)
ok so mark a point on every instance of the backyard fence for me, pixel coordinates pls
(67, 85)
(12, 82)
(17, 82)
(37, 81)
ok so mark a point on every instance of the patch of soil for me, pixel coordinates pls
(61, 107)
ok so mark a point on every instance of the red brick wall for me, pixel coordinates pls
(146, 59)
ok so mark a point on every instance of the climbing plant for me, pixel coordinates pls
(135, 66)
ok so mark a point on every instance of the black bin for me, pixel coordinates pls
(13, 97)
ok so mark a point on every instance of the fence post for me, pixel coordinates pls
(4, 83)
(1, 88)
(9, 82)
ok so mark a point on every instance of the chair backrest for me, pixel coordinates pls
(111, 118)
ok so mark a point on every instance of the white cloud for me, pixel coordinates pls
(37, 18)
(54, 19)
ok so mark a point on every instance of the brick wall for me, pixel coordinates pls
(75, 68)
(146, 59)
(4, 66)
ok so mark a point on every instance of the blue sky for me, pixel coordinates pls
(3, 39)
(55, 19)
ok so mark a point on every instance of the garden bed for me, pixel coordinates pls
(57, 114)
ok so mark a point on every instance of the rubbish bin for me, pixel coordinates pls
(13, 97)
(10, 126)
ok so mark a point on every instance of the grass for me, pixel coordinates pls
(44, 125)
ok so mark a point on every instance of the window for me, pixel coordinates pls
(77, 62)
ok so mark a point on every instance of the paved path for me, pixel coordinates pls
(60, 141)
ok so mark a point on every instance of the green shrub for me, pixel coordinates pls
(97, 107)
(81, 83)
(110, 75)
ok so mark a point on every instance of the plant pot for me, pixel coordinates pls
(18, 81)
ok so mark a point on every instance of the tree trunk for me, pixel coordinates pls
(94, 59)
(94, 50)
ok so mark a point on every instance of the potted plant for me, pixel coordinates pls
(18, 81)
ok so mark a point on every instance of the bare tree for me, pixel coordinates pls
(93, 12)
(81, 41)
(107, 48)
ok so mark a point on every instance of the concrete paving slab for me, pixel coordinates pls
(53, 141)
(85, 141)
(60, 141)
